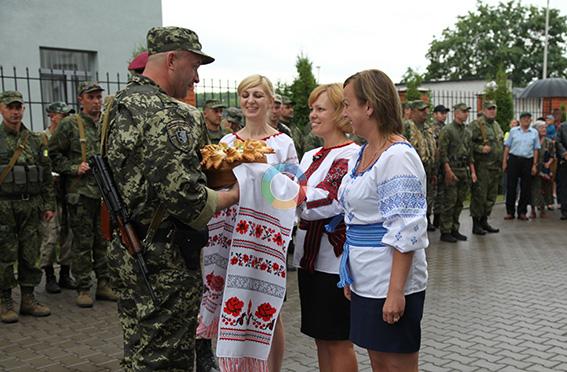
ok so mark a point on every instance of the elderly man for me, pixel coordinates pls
(152, 147)
(520, 164)
(26, 189)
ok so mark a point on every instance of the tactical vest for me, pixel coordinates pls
(26, 176)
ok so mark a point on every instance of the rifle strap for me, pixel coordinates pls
(15, 156)
(482, 127)
(154, 224)
(82, 138)
(105, 124)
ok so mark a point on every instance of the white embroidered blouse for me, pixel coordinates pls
(392, 192)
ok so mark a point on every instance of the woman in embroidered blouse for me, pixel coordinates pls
(256, 100)
(383, 267)
(317, 253)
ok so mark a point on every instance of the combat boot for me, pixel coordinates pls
(65, 279)
(7, 312)
(31, 306)
(457, 235)
(51, 285)
(486, 227)
(430, 226)
(205, 359)
(477, 229)
(84, 299)
(104, 292)
(449, 238)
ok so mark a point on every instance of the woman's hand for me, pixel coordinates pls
(394, 307)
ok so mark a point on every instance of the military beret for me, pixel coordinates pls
(287, 101)
(165, 39)
(89, 87)
(234, 115)
(441, 108)
(277, 98)
(214, 103)
(489, 104)
(461, 106)
(524, 114)
(59, 108)
(418, 104)
(11, 96)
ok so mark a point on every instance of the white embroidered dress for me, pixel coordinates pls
(392, 192)
(321, 201)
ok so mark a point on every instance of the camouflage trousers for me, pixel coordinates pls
(431, 190)
(19, 242)
(89, 249)
(485, 190)
(53, 233)
(452, 202)
(438, 198)
(157, 337)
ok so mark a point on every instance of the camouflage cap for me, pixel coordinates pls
(233, 114)
(59, 108)
(89, 87)
(524, 114)
(461, 106)
(165, 39)
(406, 105)
(418, 104)
(11, 96)
(214, 104)
(277, 98)
(287, 101)
(489, 104)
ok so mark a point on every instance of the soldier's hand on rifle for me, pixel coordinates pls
(83, 168)
(486, 149)
(48, 215)
(474, 178)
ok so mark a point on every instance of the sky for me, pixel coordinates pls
(339, 37)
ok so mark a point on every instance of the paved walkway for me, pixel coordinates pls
(494, 303)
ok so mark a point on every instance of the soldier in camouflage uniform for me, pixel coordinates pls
(456, 158)
(439, 117)
(233, 119)
(26, 197)
(488, 141)
(212, 112)
(56, 230)
(420, 135)
(75, 140)
(152, 149)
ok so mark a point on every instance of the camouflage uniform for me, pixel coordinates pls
(488, 166)
(82, 197)
(438, 199)
(152, 148)
(455, 150)
(26, 192)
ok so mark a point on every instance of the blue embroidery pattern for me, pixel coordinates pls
(402, 195)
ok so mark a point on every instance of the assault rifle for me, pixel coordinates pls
(120, 217)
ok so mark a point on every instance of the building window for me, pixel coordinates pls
(61, 72)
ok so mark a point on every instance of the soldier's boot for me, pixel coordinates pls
(205, 359)
(104, 292)
(486, 227)
(84, 299)
(51, 285)
(31, 306)
(430, 226)
(65, 279)
(477, 229)
(449, 238)
(7, 312)
(457, 235)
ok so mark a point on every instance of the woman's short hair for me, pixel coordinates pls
(377, 90)
(254, 81)
(336, 97)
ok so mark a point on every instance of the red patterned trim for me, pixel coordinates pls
(263, 139)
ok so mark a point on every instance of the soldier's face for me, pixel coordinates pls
(275, 113)
(461, 115)
(255, 103)
(12, 113)
(440, 116)
(419, 116)
(56, 117)
(321, 116)
(183, 72)
(287, 111)
(91, 103)
(213, 115)
(490, 113)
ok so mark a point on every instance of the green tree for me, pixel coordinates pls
(502, 95)
(412, 79)
(300, 89)
(508, 34)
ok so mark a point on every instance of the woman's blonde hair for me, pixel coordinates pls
(336, 97)
(257, 80)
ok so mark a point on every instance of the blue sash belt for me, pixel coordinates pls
(359, 236)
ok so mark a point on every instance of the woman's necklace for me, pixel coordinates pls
(366, 163)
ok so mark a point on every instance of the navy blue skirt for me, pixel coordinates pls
(369, 330)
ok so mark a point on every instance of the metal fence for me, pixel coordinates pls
(44, 86)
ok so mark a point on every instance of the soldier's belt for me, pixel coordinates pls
(16, 196)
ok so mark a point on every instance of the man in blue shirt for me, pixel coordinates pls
(520, 163)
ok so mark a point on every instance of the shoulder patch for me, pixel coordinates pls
(179, 135)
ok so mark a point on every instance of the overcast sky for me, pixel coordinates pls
(339, 37)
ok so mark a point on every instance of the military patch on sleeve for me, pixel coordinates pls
(179, 135)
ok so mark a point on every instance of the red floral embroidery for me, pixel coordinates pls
(258, 263)
(233, 260)
(278, 239)
(233, 306)
(215, 282)
(265, 311)
(275, 266)
(242, 227)
(258, 231)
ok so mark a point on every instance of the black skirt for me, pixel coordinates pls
(325, 312)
